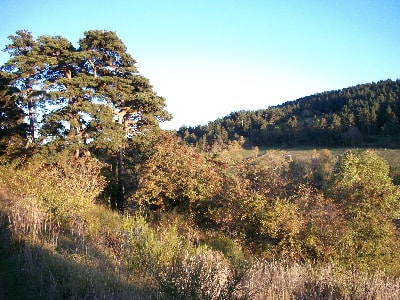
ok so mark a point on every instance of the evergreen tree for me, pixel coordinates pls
(335, 118)
(12, 127)
(89, 99)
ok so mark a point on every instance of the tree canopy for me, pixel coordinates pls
(85, 98)
(90, 99)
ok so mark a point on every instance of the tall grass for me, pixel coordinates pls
(203, 275)
(279, 280)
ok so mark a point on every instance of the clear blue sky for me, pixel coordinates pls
(212, 57)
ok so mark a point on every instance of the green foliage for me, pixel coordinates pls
(146, 250)
(366, 114)
(361, 181)
(86, 98)
(230, 249)
(12, 127)
(361, 185)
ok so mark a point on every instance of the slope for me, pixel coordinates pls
(361, 115)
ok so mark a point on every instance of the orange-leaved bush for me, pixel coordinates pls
(175, 175)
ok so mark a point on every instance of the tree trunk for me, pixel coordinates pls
(120, 193)
(31, 112)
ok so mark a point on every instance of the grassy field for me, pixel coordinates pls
(392, 156)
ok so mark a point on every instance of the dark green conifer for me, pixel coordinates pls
(87, 99)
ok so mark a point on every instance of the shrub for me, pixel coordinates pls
(58, 193)
(175, 176)
(229, 248)
(145, 250)
(362, 187)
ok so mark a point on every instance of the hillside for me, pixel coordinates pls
(97, 202)
(265, 228)
(361, 115)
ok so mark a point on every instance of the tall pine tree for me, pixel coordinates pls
(89, 99)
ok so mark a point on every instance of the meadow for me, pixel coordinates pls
(305, 154)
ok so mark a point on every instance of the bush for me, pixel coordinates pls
(229, 248)
(362, 187)
(56, 195)
(147, 251)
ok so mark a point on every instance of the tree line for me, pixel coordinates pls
(365, 114)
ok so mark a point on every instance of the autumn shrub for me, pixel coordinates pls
(323, 224)
(248, 192)
(175, 176)
(263, 203)
(59, 193)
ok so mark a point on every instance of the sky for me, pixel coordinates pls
(209, 58)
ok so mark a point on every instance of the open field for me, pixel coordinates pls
(392, 156)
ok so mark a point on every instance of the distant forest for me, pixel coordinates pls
(361, 115)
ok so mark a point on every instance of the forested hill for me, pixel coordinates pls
(361, 115)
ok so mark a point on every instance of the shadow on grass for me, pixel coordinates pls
(41, 272)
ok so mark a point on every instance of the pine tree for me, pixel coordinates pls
(89, 99)
(13, 130)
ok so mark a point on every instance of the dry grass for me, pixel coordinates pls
(277, 280)
(27, 221)
(207, 275)
(204, 275)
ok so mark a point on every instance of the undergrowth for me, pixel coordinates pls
(85, 251)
